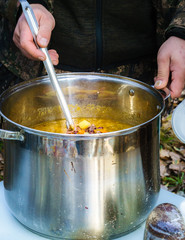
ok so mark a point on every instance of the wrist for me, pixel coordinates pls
(176, 32)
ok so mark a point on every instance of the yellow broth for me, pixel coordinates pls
(59, 126)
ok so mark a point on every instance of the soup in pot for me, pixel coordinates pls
(83, 126)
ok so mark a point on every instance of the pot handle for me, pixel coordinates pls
(164, 92)
(10, 135)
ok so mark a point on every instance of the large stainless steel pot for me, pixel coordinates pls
(82, 186)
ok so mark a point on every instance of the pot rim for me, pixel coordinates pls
(82, 136)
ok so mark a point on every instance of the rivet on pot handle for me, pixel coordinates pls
(10, 135)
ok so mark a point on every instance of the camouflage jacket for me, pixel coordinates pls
(170, 20)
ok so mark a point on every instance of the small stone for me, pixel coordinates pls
(165, 222)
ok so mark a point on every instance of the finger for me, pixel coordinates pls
(16, 39)
(177, 83)
(54, 56)
(27, 55)
(46, 25)
(28, 46)
(161, 80)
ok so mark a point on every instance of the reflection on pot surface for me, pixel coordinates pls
(95, 186)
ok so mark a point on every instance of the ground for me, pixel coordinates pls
(172, 153)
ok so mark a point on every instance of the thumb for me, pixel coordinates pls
(46, 25)
(161, 80)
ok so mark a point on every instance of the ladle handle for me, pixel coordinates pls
(32, 22)
(51, 72)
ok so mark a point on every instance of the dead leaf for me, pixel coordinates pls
(182, 150)
(178, 167)
(163, 169)
(175, 157)
(164, 154)
(167, 125)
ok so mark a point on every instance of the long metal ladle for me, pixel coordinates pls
(34, 27)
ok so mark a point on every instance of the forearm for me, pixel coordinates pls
(177, 24)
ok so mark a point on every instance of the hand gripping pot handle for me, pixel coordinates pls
(10, 135)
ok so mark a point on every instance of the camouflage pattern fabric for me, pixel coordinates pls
(7, 79)
(170, 14)
(144, 70)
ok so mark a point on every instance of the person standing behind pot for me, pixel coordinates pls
(121, 37)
